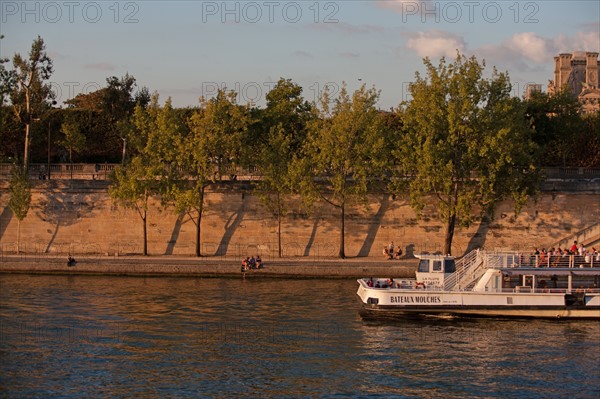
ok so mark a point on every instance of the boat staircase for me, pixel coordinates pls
(469, 269)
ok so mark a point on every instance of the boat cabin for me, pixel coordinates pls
(434, 270)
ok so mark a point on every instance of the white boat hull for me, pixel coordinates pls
(391, 302)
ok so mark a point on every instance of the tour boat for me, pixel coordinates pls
(485, 284)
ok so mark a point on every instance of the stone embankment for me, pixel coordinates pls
(78, 217)
(208, 267)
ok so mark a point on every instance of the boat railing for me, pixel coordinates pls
(499, 260)
(529, 290)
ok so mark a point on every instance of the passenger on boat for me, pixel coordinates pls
(574, 248)
(370, 282)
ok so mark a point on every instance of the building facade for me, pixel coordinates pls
(577, 72)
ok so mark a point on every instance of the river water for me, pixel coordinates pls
(111, 337)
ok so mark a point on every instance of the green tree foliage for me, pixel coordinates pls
(31, 94)
(73, 140)
(466, 143)
(20, 198)
(344, 150)
(132, 185)
(284, 120)
(152, 132)
(565, 137)
(110, 107)
(212, 148)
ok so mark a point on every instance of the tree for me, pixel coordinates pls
(467, 143)
(31, 93)
(132, 185)
(153, 132)
(284, 122)
(74, 140)
(112, 106)
(344, 151)
(275, 184)
(20, 198)
(212, 148)
(559, 128)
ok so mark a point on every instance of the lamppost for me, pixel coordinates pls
(48, 149)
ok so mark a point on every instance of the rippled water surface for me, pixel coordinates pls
(101, 337)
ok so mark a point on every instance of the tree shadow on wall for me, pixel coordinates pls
(61, 210)
(231, 226)
(478, 239)
(5, 219)
(374, 226)
(311, 239)
(175, 234)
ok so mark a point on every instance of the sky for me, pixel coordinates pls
(189, 49)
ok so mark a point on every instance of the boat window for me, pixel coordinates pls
(437, 265)
(424, 266)
(449, 266)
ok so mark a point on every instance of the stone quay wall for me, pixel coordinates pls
(79, 217)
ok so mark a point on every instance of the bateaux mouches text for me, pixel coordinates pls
(415, 299)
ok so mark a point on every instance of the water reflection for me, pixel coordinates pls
(232, 338)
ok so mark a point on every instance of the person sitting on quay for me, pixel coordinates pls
(389, 251)
(71, 261)
(258, 262)
(398, 253)
(245, 265)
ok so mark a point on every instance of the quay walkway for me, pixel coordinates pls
(175, 266)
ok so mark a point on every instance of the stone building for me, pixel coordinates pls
(577, 72)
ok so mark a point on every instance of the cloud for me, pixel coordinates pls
(530, 46)
(435, 44)
(302, 54)
(409, 7)
(348, 54)
(588, 40)
(102, 66)
(347, 28)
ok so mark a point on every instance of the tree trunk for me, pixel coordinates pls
(451, 223)
(199, 223)
(18, 236)
(26, 154)
(279, 224)
(342, 253)
(124, 152)
(144, 218)
(279, 234)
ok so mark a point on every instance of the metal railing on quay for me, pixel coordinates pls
(91, 171)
